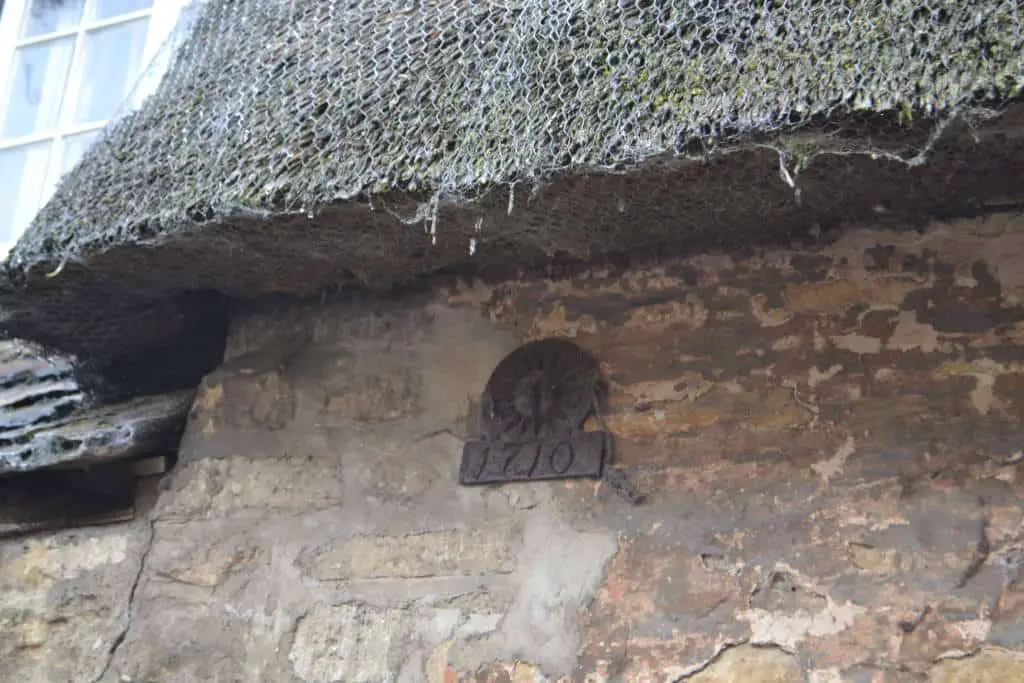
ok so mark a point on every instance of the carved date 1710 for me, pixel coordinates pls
(534, 408)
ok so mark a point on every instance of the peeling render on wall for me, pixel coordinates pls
(831, 440)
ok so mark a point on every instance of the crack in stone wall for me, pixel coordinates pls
(130, 609)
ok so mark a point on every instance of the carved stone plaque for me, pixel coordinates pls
(579, 455)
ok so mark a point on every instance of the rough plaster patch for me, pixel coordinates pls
(685, 388)
(54, 559)
(557, 324)
(768, 317)
(473, 294)
(788, 630)
(985, 372)
(816, 376)
(457, 364)
(359, 643)
(965, 281)
(962, 242)
(909, 334)
(267, 629)
(966, 241)
(837, 296)
(974, 629)
(857, 343)
(208, 564)
(726, 316)
(827, 469)
(629, 284)
(749, 664)
(204, 406)
(881, 560)
(24, 633)
(210, 394)
(788, 343)
(524, 672)
(691, 313)
(825, 676)
(437, 664)
(23, 599)
(1006, 257)
(983, 393)
(478, 624)
(346, 642)
(885, 375)
(818, 341)
(369, 392)
(559, 570)
(989, 666)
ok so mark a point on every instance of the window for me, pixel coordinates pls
(67, 69)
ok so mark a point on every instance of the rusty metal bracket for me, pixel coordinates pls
(578, 455)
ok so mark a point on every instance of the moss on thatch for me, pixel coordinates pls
(276, 152)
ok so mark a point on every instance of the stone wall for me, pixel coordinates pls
(829, 438)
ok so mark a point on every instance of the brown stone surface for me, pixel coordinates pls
(757, 665)
(830, 441)
(987, 667)
(417, 555)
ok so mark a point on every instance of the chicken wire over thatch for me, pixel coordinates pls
(298, 144)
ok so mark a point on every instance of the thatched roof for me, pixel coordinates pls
(52, 415)
(312, 143)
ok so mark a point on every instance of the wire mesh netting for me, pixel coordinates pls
(287, 137)
(287, 106)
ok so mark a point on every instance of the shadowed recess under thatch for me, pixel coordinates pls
(309, 144)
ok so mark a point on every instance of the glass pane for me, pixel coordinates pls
(187, 17)
(36, 91)
(113, 60)
(155, 70)
(22, 174)
(105, 9)
(47, 16)
(74, 148)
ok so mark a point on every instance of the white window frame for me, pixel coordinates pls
(163, 17)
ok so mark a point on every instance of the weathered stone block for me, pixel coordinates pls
(457, 360)
(62, 602)
(364, 383)
(991, 666)
(749, 664)
(52, 646)
(357, 643)
(435, 553)
(217, 487)
(688, 313)
(204, 554)
(61, 558)
(393, 471)
(348, 643)
(263, 401)
(377, 397)
(181, 639)
(559, 570)
(646, 578)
